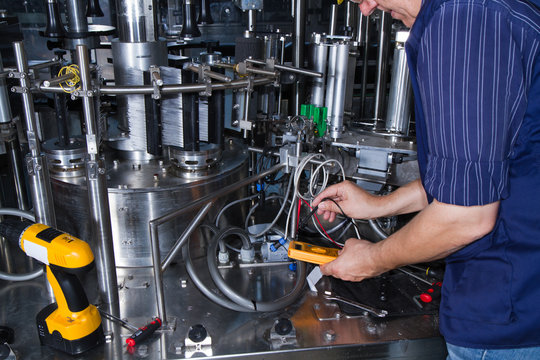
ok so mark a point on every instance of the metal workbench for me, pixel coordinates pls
(321, 330)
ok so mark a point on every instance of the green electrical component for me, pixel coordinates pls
(305, 109)
(319, 119)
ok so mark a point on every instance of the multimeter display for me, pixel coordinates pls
(311, 253)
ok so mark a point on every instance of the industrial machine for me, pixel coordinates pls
(184, 141)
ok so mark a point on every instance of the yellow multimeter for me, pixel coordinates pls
(311, 253)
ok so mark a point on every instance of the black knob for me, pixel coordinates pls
(55, 28)
(283, 326)
(197, 333)
(93, 9)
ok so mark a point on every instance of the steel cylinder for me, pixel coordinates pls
(336, 86)
(400, 97)
(137, 20)
(319, 55)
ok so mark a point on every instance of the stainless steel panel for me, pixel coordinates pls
(140, 191)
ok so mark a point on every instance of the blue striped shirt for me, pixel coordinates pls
(475, 70)
(474, 67)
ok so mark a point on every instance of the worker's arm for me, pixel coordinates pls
(359, 204)
(437, 231)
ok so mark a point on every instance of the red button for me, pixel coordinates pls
(425, 298)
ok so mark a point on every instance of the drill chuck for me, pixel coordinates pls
(12, 229)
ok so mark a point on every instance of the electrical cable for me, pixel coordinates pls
(200, 284)
(232, 204)
(278, 214)
(27, 276)
(378, 230)
(240, 299)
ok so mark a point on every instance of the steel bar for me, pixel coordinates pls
(167, 89)
(333, 20)
(298, 49)
(97, 192)
(289, 68)
(38, 172)
(210, 74)
(185, 235)
(382, 66)
(57, 80)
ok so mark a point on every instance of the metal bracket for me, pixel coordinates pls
(17, 75)
(91, 144)
(157, 82)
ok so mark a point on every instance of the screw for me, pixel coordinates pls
(330, 335)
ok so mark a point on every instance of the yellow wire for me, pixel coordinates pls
(71, 84)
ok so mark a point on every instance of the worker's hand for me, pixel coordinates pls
(366, 6)
(356, 262)
(355, 202)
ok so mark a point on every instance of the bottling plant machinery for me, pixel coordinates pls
(184, 141)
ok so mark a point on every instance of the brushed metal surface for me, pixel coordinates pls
(140, 191)
(234, 335)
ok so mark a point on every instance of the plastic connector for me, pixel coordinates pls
(260, 187)
(273, 248)
(292, 266)
(223, 257)
(282, 241)
(247, 255)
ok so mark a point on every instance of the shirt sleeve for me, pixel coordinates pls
(473, 99)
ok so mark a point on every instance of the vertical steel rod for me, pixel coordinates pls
(38, 172)
(299, 41)
(333, 20)
(382, 66)
(97, 192)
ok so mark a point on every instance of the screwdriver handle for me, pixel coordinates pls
(144, 332)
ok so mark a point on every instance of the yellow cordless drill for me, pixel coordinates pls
(70, 324)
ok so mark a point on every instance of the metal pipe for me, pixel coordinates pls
(182, 88)
(97, 191)
(167, 89)
(36, 162)
(365, 60)
(44, 65)
(382, 66)
(177, 247)
(293, 69)
(252, 20)
(298, 50)
(210, 74)
(18, 174)
(5, 108)
(333, 20)
(263, 72)
(59, 79)
(28, 101)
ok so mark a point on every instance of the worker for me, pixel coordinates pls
(475, 70)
